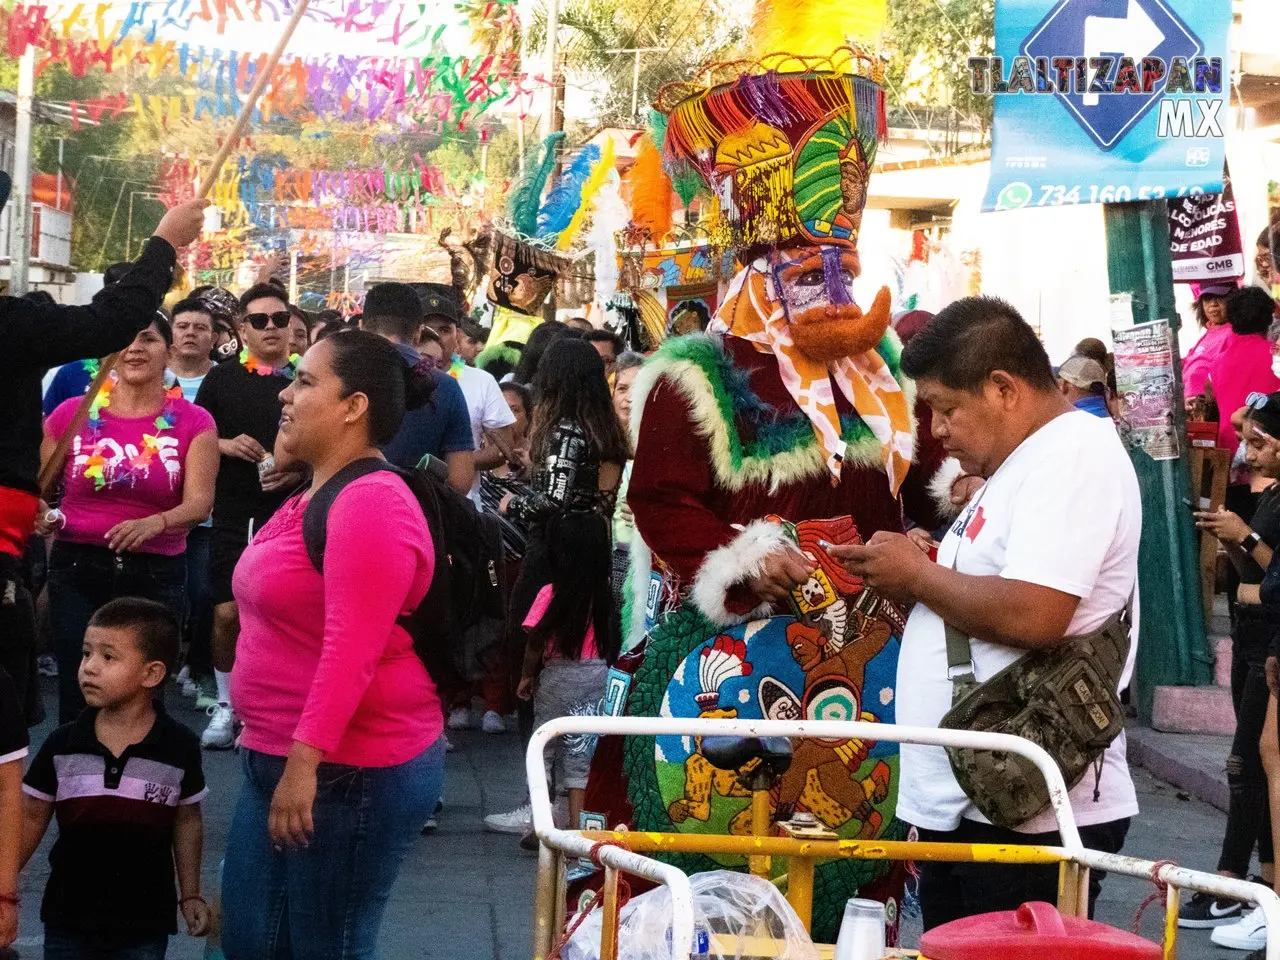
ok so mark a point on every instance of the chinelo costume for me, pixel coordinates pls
(786, 423)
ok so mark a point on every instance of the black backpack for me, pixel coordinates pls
(457, 629)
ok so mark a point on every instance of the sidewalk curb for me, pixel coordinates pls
(1158, 754)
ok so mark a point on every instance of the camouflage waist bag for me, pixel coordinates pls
(1063, 699)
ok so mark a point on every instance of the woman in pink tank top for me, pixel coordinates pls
(139, 474)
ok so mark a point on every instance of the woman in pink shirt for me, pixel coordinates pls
(1243, 365)
(341, 745)
(139, 475)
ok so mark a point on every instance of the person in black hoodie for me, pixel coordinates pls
(33, 338)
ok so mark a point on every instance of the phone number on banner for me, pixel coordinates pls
(1016, 195)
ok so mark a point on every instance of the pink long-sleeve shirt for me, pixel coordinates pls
(320, 659)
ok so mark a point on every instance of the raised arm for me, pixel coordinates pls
(33, 336)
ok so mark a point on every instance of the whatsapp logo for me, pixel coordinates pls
(1014, 196)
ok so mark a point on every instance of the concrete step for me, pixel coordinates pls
(1204, 710)
(1195, 763)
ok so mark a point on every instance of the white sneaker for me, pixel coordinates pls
(493, 722)
(1247, 933)
(220, 734)
(518, 820)
(460, 718)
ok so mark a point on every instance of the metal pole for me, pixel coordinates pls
(20, 222)
(635, 87)
(553, 75)
(293, 276)
(128, 230)
(58, 202)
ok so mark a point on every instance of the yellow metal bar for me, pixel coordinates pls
(758, 864)
(544, 902)
(800, 888)
(1171, 923)
(641, 842)
(609, 925)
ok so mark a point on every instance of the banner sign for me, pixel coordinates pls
(1204, 236)
(1102, 101)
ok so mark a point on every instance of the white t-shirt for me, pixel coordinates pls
(487, 407)
(1063, 511)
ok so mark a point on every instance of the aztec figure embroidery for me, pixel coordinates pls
(833, 658)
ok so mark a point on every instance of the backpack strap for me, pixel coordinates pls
(959, 656)
(315, 519)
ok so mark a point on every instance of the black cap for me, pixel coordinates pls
(439, 300)
(393, 300)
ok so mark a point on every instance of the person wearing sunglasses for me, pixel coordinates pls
(244, 397)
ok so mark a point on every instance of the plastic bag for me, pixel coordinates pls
(731, 906)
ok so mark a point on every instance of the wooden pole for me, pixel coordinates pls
(52, 468)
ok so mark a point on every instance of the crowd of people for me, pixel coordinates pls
(243, 507)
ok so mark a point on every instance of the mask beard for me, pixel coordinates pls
(829, 332)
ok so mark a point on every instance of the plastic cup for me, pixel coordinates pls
(861, 931)
(265, 466)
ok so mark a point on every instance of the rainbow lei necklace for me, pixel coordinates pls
(286, 370)
(140, 464)
(456, 366)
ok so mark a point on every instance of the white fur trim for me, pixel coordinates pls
(940, 485)
(738, 560)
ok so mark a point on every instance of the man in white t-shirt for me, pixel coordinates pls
(1046, 549)
(485, 403)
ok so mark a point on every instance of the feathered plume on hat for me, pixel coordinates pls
(785, 142)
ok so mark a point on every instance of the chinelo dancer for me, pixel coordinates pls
(788, 422)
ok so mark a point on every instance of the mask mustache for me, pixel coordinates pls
(829, 333)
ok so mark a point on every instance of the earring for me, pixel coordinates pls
(348, 420)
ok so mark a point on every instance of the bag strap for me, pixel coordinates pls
(959, 655)
(315, 519)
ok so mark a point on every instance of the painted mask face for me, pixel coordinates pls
(815, 285)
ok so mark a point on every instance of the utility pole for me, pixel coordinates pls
(554, 93)
(20, 221)
(635, 74)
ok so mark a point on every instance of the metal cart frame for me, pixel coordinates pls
(626, 851)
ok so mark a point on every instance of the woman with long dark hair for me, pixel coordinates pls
(578, 451)
(572, 639)
(342, 747)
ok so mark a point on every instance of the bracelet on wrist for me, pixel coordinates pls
(194, 896)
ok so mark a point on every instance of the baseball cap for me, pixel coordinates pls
(1216, 289)
(439, 300)
(1082, 372)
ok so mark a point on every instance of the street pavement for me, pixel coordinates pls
(464, 894)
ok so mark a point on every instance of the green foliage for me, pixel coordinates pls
(928, 76)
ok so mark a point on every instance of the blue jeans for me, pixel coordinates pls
(62, 944)
(324, 901)
(81, 579)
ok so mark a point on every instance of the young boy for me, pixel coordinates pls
(13, 748)
(126, 783)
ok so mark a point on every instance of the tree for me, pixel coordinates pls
(687, 33)
(927, 80)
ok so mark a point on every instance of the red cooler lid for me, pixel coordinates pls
(1034, 930)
